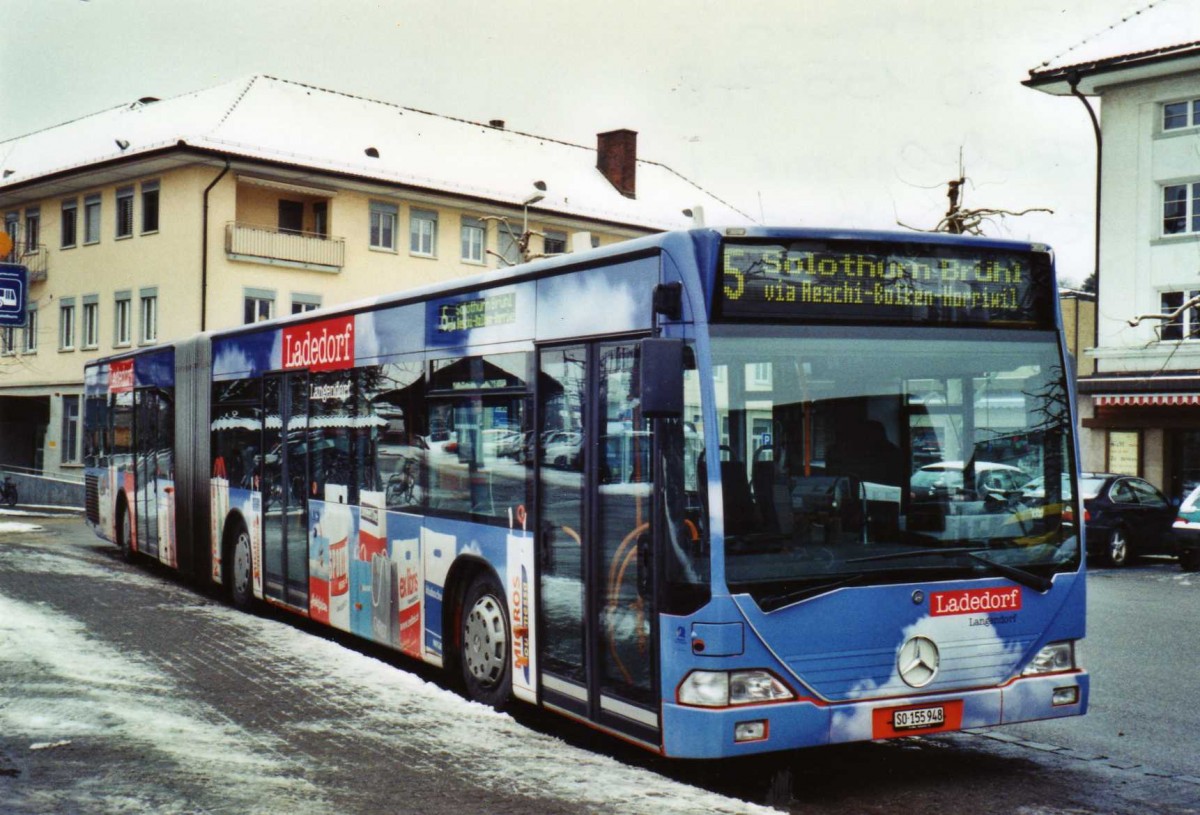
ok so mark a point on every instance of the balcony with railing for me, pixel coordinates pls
(284, 247)
(35, 258)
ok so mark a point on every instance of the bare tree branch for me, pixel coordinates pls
(959, 220)
(1166, 318)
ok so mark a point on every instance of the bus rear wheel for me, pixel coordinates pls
(483, 643)
(241, 582)
(124, 532)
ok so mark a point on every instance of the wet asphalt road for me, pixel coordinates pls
(241, 727)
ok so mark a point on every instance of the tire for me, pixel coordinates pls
(238, 571)
(124, 533)
(1189, 560)
(1116, 553)
(483, 647)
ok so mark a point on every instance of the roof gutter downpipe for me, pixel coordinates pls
(204, 252)
(1073, 81)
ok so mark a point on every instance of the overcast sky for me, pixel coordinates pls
(799, 112)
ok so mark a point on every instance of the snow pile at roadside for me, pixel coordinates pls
(8, 527)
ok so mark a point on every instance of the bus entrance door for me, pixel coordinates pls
(598, 643)
(285, 488)
(153, 434)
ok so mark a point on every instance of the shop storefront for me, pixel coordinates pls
(1145, 426)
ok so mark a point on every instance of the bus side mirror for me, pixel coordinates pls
(662, 378)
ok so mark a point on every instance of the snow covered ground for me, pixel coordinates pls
(62, 686)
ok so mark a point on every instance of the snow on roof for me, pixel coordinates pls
(271, 119)
(1145, 29)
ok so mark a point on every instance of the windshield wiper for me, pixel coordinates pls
(774, 601)
(1025, 578)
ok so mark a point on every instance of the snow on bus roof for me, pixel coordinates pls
(280, 121)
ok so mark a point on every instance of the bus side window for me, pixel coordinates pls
(331, 419)
(390, 435)
(681, 444)
(479, 421)
(236, 432)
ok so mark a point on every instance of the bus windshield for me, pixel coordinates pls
(884, 455)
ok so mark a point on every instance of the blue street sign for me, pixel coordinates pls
(13, 285)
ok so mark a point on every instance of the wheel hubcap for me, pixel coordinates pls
(241, 565)
(485, 643)
(1118, 549)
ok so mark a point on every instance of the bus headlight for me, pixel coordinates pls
(1056, 657)
(729, 688)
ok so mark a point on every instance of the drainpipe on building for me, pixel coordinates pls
(1073, 81)
(204, 252)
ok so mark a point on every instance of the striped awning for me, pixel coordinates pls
(1145, 399)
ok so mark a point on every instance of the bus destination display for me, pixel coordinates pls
(814, 280)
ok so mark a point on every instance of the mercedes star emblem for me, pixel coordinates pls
(918, 661)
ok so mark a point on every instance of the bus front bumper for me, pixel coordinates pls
(695, 732)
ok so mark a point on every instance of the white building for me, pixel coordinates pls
(1140, 408)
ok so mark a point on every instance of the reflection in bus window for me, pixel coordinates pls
(391, 437)
(237, 432)
(477, 461)
(681, 450)
(918, 443)
(331, 423)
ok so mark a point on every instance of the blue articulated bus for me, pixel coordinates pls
(715, 492)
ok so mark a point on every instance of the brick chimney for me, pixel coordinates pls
(616, 158)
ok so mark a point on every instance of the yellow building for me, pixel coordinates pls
(1079, 327)
(263, 197)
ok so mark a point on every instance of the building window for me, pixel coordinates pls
(149, 316)
(383, 225)
(149, 207)
(91, 322)
(320, 210)
(11, 221)
(508, 243)
(474, 235)
(555, 243)
(33, 231)
(291, 216)
(70, 430)
(91, 218)
(31, 329)
(422, 233)
(66, 324)
(1186, 325)
(1178, 115)
(125, 212)
(258, 305)
(70, 226)
(1181, 208)
(759, 374)
(122, 320)
(302, 303)
(8, 341)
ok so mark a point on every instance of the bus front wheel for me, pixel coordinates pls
(241, 584)
(483, 643)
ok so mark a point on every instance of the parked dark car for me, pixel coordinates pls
(1125, 517)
